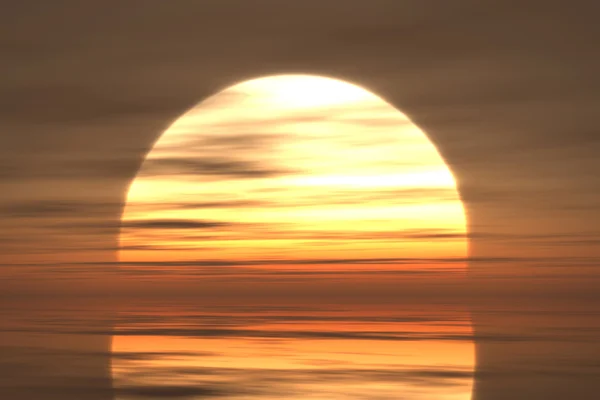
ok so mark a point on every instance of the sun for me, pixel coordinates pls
(292, 166)
(296, 182)
(305, 91)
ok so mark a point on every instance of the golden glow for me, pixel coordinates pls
(267, 350)
(303, 179)
(269, 166)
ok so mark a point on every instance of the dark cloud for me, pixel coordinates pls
(360, 261)
(57, 208)
(339, 197)
(45, 168)
(209, 166)
(426, 377)
(400, 235)
(264, 381)
(260, 315)
(195, 332)
(240, 142)
(196, 247)
(546, 261)
(316, 261)
(214, 204)
(68, 104)
(172, 224)
(173, 391)
(153, 355)
(249, 231)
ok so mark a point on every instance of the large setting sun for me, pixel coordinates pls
(297, 180)
(288, 168)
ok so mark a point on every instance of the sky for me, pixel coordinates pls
(507, 95)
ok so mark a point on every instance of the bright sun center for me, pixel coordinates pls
(299, 91)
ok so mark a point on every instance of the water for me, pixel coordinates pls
(266, 351)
